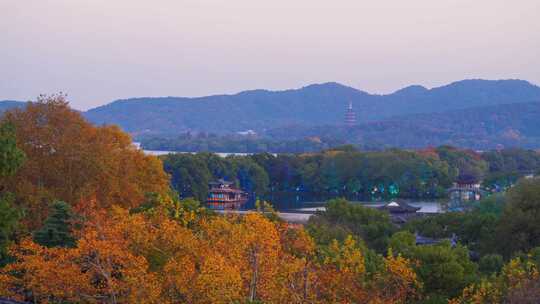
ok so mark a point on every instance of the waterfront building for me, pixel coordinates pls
(465, 190)
(400, 212)
(222, 195)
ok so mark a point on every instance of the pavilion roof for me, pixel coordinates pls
(399, 207)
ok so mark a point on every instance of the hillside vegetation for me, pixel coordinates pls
(479, 114)
(314, 105)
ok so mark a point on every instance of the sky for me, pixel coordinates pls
(97, 51)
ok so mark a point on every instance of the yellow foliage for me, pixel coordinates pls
(399, 282)
(515, 278)
(151, 258)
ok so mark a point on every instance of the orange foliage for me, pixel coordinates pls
(71, 160)
(100, 269)
(154, 258)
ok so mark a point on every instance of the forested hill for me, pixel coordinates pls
(10, 104)
(319, 104)
(486, 127)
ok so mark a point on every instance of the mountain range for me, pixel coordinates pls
(319, 104)
(485, 108)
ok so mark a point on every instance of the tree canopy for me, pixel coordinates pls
(71, 160)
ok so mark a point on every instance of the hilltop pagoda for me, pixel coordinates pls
(350, 116)
(224, 196)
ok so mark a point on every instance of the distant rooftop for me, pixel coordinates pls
(399, 207)
(465, 179)
(221, 181)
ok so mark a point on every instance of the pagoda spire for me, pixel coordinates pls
(350, 116)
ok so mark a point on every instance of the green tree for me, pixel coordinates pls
(444, 270)
(251, 176)
(11, 158)
(56, 231)
(403, 242)
(491, 264)
(368, 224)
(519, 227)
(475, 229)
(189, 175)
(9, 219)
(464, 162)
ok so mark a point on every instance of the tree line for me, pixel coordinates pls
(356, 175)
(234, 143)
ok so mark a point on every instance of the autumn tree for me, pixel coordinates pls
(398, 282)
(71, 160)
(516, 283)
(342, 273)
(299, 268)
(102, 268)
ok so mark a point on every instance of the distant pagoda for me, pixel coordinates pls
(350, 116)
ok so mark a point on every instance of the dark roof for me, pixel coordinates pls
(399, 207)
(225, 190)
(465, 179)
(221, 182)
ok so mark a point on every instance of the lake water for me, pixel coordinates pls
(163, 152)
(158, 153)
(302, 215)
(292, 202)
(425, 207)
(306, 203)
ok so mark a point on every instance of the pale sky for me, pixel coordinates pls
(97, 51)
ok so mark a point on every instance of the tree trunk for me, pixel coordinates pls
(306, 283)
(254, 276)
